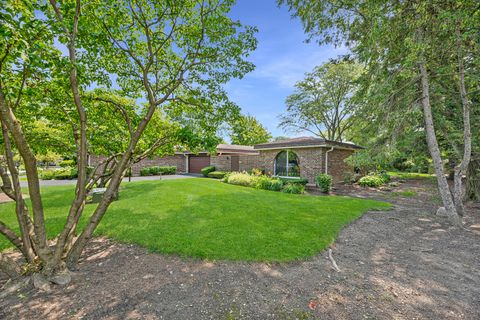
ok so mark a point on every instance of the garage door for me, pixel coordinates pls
(197, 163)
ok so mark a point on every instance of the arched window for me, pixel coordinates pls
(286, 164)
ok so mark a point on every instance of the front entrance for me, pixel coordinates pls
(235, 164)
(197, 163)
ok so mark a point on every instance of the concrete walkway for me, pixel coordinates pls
(134, 179)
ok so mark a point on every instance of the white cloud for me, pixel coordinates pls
(290, 66)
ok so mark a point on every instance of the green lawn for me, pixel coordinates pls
(209, 219)
(410, 175)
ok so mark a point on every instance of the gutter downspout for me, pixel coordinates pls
(326, 159)
(187, 169)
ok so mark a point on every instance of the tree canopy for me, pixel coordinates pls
(324, 102)
(247, 130)
(121, 78)
(421, 61)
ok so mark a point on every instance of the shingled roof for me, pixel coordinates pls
(305, 142)
(235, 148)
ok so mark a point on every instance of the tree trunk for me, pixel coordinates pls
(443, 187)
(10, 267)
(473, 179)
(461, 169)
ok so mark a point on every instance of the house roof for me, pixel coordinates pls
(235, 148)
(305, 142)
(225, 149)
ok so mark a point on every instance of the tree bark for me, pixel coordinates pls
(78, 203)
(12, 124)
(473, 179)
(461, 169)
(26, 228)
(10, 267)
(432, 143)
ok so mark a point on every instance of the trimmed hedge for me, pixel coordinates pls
(59, 174)
(67, 163)
(267, 183)
(324, 182)
(295, 180)
(293, 188)
(216, 174)
(205, 171)
(158, 170)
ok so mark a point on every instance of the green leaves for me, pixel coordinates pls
(166, 60)
(324, 102)
(246, 130)
(390, 38)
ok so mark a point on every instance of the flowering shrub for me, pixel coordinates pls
(242, 179)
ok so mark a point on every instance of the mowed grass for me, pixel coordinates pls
(410, 175)
(209, 219)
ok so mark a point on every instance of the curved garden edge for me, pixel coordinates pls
(203, 218)
(393, 265)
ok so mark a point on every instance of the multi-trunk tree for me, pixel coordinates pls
(166, 60)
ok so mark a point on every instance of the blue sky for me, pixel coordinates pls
(281, 59)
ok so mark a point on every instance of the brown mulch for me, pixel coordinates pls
(405, 263)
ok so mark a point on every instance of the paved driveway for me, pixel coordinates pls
(134, 179)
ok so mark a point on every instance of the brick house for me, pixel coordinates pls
(297, 157)
(306, 157)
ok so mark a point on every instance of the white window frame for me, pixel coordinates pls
(275, 165)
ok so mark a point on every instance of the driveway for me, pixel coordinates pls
(133, 179)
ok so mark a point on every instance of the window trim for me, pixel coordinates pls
(275, 164)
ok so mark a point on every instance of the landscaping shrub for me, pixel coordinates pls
(349, 177)
(145, 171)
(217, 174)
(242, 179)
(167, 170)
(324, 182)
(257, 172)
(225, 177)
(205, 171)
(67, 163)
(294, 188)
(371, 181)
(301, 181)
(158, 170)
(385, 176)
(268, 183)
(59, 174)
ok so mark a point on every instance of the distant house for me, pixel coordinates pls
(297, 157)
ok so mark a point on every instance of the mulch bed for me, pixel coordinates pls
(405, 263)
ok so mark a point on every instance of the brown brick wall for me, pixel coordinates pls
(221, 162)
(177, 160)
(311, 162)
(337, 167)
(248, 162)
